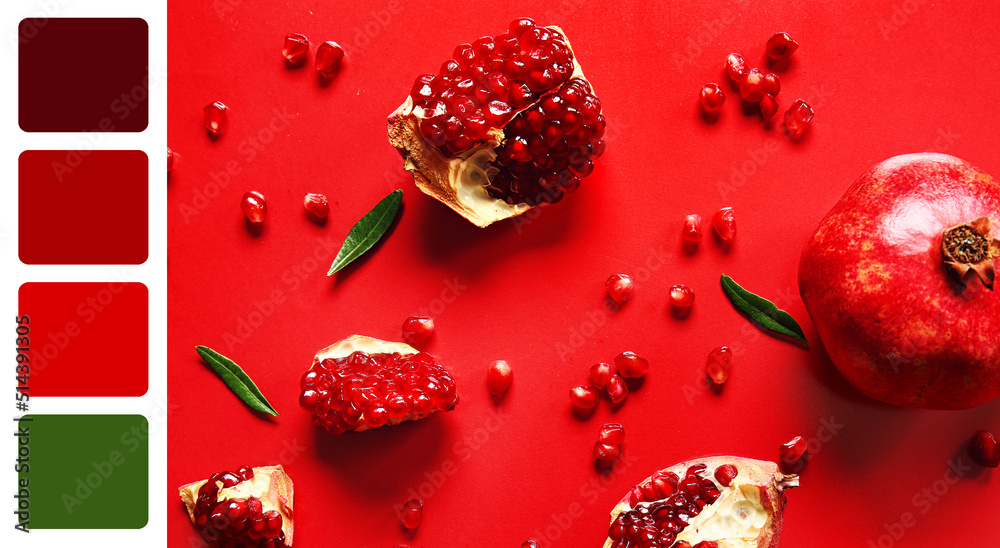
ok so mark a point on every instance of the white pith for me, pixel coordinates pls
(739, 517)
(269, 484)
(370, 346)
(463, 188)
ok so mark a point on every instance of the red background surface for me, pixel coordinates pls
(83, 207)
(884, 78)
(87, 339)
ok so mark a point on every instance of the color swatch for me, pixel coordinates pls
(83, 471)
(83, 207)
(87, 339)
(83, 74)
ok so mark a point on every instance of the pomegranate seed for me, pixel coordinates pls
(798, 116)
(411, 513)
(736, 67)
(692, 228)
(780, 46)
(619, 287)
(681, 295)
(630, 365)
(711, 97)
(317, 205)
(254, 206)
(617, 389)
(612, 433)
(768, 106)
(521, 25)
(600, 373)
(771, 84)
(499, 377)
(529, 544)
(170, 159)
(752, 87)
(329, 54)
(604, 451)
(296, 50)
(793, 450)
(724, 223)
(417, 330)
(985, 450)
(584, 396)
(216, 118)
(720, 361)
(725, 474)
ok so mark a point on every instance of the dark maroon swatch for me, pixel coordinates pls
(83, 207)
(86, 74)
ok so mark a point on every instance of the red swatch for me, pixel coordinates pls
(87, 339)
(83, 74)
(83, 207)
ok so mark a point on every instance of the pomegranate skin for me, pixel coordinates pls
(897, 323)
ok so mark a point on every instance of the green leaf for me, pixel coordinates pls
(367, 231)
(762, 312)
(236, 380)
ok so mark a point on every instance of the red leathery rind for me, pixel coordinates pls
(877, 254)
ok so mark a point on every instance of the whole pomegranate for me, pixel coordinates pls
(717, 502)
(509, 123)
(899, 277)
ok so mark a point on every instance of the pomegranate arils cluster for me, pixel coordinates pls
(231, 509)
(609, 440)
(363, 391)
(550, 147)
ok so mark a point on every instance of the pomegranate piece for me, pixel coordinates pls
(605, 451)
(780, 46)
(329, 55)
(617, 389)
(736, 67)
(683, 505)
(798, 116)
(724, 223)
(170, 160)
(752, 87)
(681, 296)
(584, 396)
(771, 84)
(499, 377)
(254, 206)
(725, 474)
(630, 365)
(933, 221)
(600, 374)
(296, 50)
(249, 507)
(619, 287)
(612, 433)
(984, 449)
(216, 119)
(361, 382)
(417, 330)
(317, 205)
(768, 106)
(720, 361)
(711, 97)
(411, 513)
(792, 450)
(692, 228)
(508, 124)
